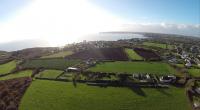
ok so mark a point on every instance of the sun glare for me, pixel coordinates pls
(58, 21)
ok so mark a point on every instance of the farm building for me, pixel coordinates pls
(72, 69)
(168, 79)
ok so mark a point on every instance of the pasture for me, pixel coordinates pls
(159, 45)
(59, 54)
(51, 63)
(52, 74)
(55, 95)
(26, 73)
(194, 72)
(132, 54)
(7, 67)
(158, 68)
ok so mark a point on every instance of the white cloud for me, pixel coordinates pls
(184, 29)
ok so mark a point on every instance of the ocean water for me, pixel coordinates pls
(18, 45)
(112, 36)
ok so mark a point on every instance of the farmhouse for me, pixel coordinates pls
(72, 69)
(90, 62)
(168, 79)
(142, 77)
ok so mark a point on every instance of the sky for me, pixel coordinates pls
(66, 21)
(172, 11)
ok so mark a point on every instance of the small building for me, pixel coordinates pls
(72, 69)
(196, 104)
(197, 90)
(91, 62)
(168, 79)
(188, 64)
(173, 60)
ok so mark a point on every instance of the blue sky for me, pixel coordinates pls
(72, 20)
(8, 7)
(174, 11)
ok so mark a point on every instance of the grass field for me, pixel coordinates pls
(180, 65)
(132, 54)
(134, 67)
(57, 63)
(53, 74)
(59, 54)
(54, 95)
(7, 67)
(194, 72)
(17, 75)
(157, 45)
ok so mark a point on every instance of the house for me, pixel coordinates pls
(142, 77)
(197, 90)
(72, 69)
(167, 79)
(196, 104)
(188, 64)
(91, 62)
(173, 60)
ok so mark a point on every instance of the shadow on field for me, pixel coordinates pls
(137, 90)
(162, 90)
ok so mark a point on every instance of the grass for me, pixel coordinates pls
(157, 45)
(53, 74)
(194, 72)
(56, 63)
(132, 54)
(54, 95)
(59, 54)
(134, 67)
(180, 65)
(7, 67)
(26, 73)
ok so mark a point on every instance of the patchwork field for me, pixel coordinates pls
(20, 74)
(57, 63)
(7, 67)
(101, 54)
(147, 54)
(194, 72)
(134, 67)
(54, 95)
(59, 54)
(53, 74)
(157, 45)
(132, 54)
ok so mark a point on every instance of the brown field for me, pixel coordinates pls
(11, 92)
(101, 54)
(147, 54)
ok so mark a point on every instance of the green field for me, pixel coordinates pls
(134, 67)
(57, 63)
(59, 54)
(132, 54)
(194, 72)
(53, 74)
(54, 95)
(180, 65)
(17, 75)
(7, 67)
(157, 45)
